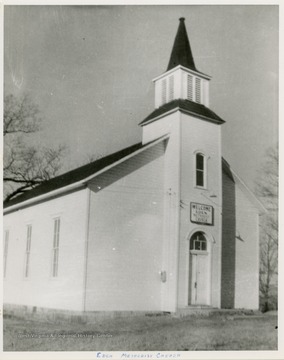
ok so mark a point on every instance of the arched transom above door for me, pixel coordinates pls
(198, 242)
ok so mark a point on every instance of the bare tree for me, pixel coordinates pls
(21, 115)
(267, 191)
(25, 165)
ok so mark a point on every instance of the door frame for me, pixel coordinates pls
(208, 253)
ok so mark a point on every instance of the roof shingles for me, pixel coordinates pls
(72, 176)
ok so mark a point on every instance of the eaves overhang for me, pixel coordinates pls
(196, 73)
(184, 112)
(185, 106)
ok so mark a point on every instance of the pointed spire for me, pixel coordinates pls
(181, 52)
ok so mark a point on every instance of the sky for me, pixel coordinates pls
(90, 70)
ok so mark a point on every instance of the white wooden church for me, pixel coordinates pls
(162, 225)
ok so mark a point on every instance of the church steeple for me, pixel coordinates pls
(181, 80)
(182, 89)
(181, 52)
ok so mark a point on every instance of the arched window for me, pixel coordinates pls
(200, 168)
(198, 241)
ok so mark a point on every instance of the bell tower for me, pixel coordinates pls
(181, 88)
(192, 180)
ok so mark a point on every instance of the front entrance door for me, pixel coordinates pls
(199, 285)
(199, 270)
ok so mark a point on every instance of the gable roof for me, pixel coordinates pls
(77, 175)
(78, 178)
(187, 106)
(181, 53)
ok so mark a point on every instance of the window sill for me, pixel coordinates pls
(200, 188)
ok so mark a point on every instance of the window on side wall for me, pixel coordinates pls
(28, 250)
(6, 244)
(55, 249)
(200, 170)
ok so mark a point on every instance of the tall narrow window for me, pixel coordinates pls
(198, 90)
(171, 88)
(164, 91)
(6, 244)
(200, 170)
(55, 250)
(28, 250)
(189, 87)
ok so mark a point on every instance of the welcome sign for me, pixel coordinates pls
(201, 213)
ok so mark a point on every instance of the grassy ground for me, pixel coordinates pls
(141, 333)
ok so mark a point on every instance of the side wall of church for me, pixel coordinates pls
(229, 240)
(240, 249)
(40, 288)
(126, 235)
(247, 253)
